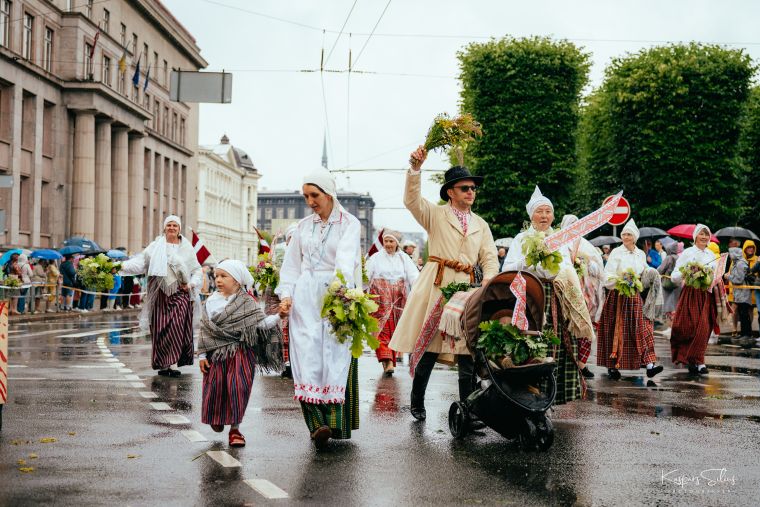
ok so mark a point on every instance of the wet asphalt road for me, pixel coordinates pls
(87, 383)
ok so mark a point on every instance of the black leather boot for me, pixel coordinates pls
(419, 384)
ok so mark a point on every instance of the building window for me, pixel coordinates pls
(88, 60)
(291, 213)
(156, 115)
(155, 66)
(47, 54)
(182, 132)
(123, 35)
(174, 127)
(146, 101)
(165, 123)
(106, 21)
(280, 212)
(120, 79)
(5, 23)
(88, 9)
(26, 41)
(106, 78)
(268, 214)
(166, 74)
(362, 213)
(147, 57)
(134, 43)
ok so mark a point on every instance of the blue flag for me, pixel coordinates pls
(147, 76)
(136, 76)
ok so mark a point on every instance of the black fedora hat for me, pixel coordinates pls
(457, 173)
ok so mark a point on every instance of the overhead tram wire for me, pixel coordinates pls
(345, 22)
(372, 32)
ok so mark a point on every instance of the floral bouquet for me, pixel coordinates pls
(349, 312)
(697, 275)
(628, 283)
(264, 273)
(11, 281)
(506, 346)
(536, 253)
(581, 266)
(447, 132)
(95, 272)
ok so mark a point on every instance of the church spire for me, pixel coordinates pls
(324, 151)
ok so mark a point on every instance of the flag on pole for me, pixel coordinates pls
(147, 76)
(377, 245)
(123, 63)
(201, 252)
(518, 287)
(263, 245)
(94, 43)
(136, 75)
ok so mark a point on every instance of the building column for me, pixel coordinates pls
(119, 188)
(103, 197)
(136, 175)
(83, 184)
(36, 178)
(151, 196)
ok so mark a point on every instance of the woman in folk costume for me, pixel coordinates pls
(626, 334)
(588, 263)
(235, 335)
(172, 301)
(698, 311)
(566, 310)
(458, 240)
(325, 375)
(391, 274)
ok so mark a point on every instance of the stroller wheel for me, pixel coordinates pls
(458, 419)
(544, 433)
(528, 436)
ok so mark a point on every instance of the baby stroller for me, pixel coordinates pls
(512, 401)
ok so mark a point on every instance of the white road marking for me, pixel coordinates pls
(17, 366)
(193, 435)
(160, 405)
(138, 385)
(148, 394)
(28, 378)
(124, 370)
(131, 377)
(134, 335)
(223, 459)
(111, 360)
(176, 419)
(89, 366)
(106, 354)
(266, 488)
(93, 332)
(115, 365)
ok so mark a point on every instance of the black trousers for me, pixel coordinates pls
(425, 368)
(745, 318)
(127, 282)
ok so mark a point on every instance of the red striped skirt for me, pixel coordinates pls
(692, 324)
(391, 302)
(624, 316)
(227, 388)
(171, 328)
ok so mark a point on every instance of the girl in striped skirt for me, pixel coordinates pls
(235, 335)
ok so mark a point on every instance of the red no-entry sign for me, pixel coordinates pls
(622, 211)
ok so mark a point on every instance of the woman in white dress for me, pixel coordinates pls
(391, 274)
(325, 375)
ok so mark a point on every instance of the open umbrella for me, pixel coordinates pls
(605, 240)
(116, 254)
(686, 231)
(46, 253)
(667, 241)
(651, 233)
(87, 245)
(736, 232)
(69, 250)
(7, 255)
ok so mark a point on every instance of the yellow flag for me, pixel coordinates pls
(123, 63)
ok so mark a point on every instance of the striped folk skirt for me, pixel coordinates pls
(171, 328)
(227, 388)
(340, 417)
(693, 322)
(568, 375)
(626, 338)
(391, 302)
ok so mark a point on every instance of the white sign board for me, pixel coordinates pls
(214, 87)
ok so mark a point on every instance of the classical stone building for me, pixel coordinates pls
(277, 209)
(90, 153)
(227, 194)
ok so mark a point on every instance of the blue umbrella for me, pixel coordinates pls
(116, 254)
(7, 255)
(46, 253)
(69, 250)
(87, 245)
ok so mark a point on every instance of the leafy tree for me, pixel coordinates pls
(525, 93)
(664, 127)
(749, 148)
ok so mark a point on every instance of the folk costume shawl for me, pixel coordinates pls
(650, 280)
(236, 325)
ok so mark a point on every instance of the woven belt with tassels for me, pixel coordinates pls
(458, 266)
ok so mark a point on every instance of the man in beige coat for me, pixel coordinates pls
(458, 240)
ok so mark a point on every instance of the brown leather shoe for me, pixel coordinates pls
(321, 436)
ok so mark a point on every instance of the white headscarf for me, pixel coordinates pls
(324, 180)
(393, 234)
(237, 270)
(698, 228)
(536, 200)
(173, 218)
(631, 228)
(568, 220)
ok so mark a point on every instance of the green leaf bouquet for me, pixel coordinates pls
(506, 346)
(537, 254)
(349, 312)
(628, 283)
(697, 275)
(95, 272)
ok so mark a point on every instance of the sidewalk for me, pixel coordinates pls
(17, 319)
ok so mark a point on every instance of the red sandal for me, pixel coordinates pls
(236, 438)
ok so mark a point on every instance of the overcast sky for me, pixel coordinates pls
(279, 114)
